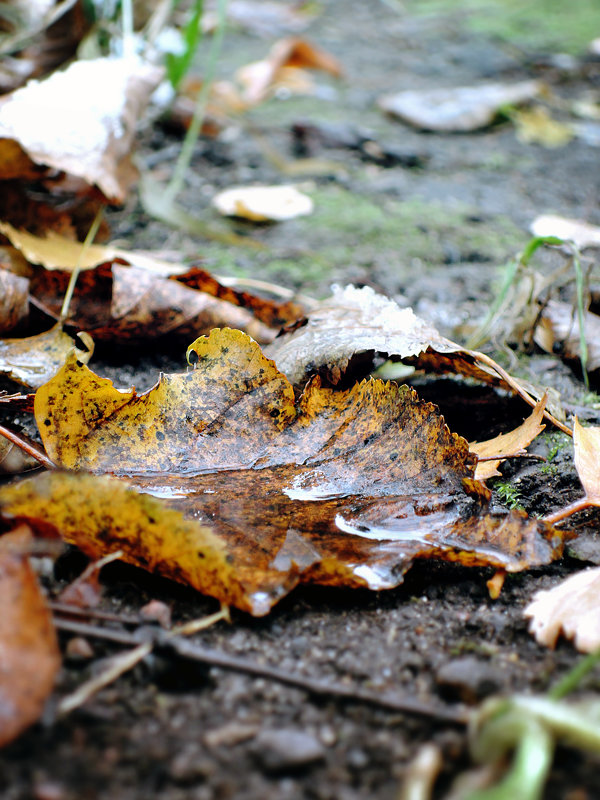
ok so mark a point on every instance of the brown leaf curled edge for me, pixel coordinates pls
(231, 485)
(29, 654)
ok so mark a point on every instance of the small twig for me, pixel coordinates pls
(567, 511)
(216, 658)
(25, 444)
(93, 613)
(516, 386)
(117, 666)
(196, 625)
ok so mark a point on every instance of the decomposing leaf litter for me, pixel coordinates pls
(341, 487)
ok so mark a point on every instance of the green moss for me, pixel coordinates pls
(508, 494)
(544, 25)
(353, 229)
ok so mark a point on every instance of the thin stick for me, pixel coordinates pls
(567, 511)
(27, 446)
(116, 667)
(91, 235)
(216, 658)
(196, 625)
(515, 385)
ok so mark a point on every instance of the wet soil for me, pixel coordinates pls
(431, 221)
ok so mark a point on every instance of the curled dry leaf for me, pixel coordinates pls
(53, 251)
(14, 300)
(558, 325)
(508, 444)
(586, 442)
(346, 330)
(571, 230)
(572, 607)
(255, 491)
(116, 302)
(464, 108)
(263, 203)
(33, 360)
(29, 651)
(259, 77)
(89, 114)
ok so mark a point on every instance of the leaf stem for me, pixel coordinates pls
(567, 511)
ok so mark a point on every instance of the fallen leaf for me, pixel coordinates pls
(53, 251)
(44, 34)
(263, 203)
(558, 327)
(14, 300)
(33, 360)
(465, 108)
(89, 113)
(30, 658)
(508, 444)
(586, 443)
(259, 77)
(572, 607)
(582, 234)
(536, 126)
(345, 331)
(128, 304)
(339, 487)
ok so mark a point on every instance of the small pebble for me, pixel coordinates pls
(469, 679)
(284, 749)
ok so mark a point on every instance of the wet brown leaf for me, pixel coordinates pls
(508, 444)
(43, 36)
(29, 651)
(343, 333)
(558, 326)
(14, 300)
(90, 111)
(33, 360)
(121, 303)
(339, 487)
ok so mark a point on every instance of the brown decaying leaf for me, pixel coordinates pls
(464, 108)
(116, 302)
(357, 324)
(259, 77)
(339, 487)
(29, 651)
(14, 300)
(33, 360)
(572, 607)
(90, 111)
(586, 442)
(559, 325)
(508, 444)
(46, 36)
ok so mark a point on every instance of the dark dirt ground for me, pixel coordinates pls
(436, 234)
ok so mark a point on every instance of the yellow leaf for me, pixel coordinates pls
(508, 444)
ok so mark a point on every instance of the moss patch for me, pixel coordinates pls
(547, 25)
(349, 229)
